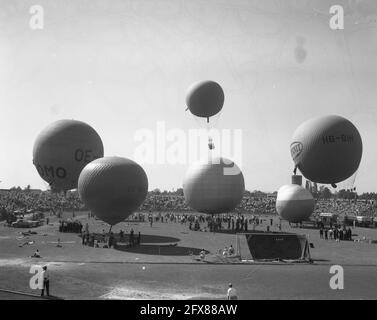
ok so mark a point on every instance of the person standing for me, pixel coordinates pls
(232, 293)
(330, 234)
(132, 237)
(46, 281)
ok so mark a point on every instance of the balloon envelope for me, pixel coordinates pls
(63, 149)
(214, 187)
(294, 203)
(327, 149)
(113, 188)
(205, 98)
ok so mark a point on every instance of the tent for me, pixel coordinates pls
(278, 246)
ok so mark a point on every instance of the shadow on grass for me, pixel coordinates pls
(163, 250)
(230, 231)
(145, 238)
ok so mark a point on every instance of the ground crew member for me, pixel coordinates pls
(232, 293)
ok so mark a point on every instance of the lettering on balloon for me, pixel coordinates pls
(84, 155)
(40, 170)
(50, 172)
(344, 138)
(60, 172)
(296, 149)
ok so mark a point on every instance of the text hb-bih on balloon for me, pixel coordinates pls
(327, 149)
(113, 187)
(215, 186)
(63, 149)
(205, 99)
(294, 203)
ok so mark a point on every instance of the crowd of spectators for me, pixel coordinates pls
(349, 207)
(16, 201)
(172, 202)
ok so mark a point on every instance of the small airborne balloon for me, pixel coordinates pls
(63, 149)
(113, 188)
(294, 203)
(327, 149)
(205, 99)
(214, 187)
(300, 54)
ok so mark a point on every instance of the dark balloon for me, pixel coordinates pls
(214, 187)
(63, 149)
(113, 188)
(294, 203)
(327, 149)
(205, 99)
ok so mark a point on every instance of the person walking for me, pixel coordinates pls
(46, 281)
(232, 293)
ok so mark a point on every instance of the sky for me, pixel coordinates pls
(124, 66)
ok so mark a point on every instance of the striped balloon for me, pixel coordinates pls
(294, 203)
(213, 187)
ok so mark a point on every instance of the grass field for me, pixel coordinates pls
(162, 267)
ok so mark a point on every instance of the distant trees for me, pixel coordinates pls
(368, 196)
(156, 191)
(179, 192)
(324, 193)
(347, 194)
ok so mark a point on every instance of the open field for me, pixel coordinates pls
(159, 270)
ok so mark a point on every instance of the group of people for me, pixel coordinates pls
(74, 226)
(201, 222)
(337, 233)
(132, 239)
(110, 240)
(227, 251)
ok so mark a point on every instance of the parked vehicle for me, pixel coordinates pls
(22, 223)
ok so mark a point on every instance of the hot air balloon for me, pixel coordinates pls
(205, 99)
(327, 149)
(215, 186)
(294, 203)
(63, 149)
(113, 188)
